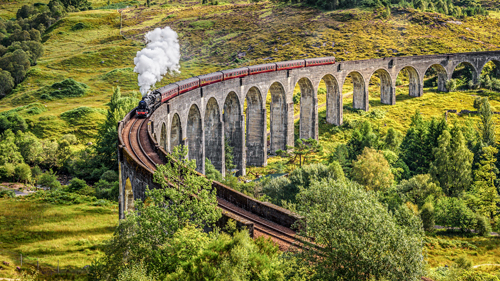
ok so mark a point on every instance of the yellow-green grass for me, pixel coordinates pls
(52, 234)
(443, 250)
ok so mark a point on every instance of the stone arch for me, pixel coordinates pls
(442, 76)
(233, 129)
(129, 196)
(415, 87)
(213, 134)
(360, 94)
(255, 128)
(195, 137)
(333, 100)
(387, 93)
(175, 132)
(279, 117)
(475, 74)
(163, 136)
(308, 109)
(497, 65)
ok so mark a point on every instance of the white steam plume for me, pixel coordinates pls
(161, 55)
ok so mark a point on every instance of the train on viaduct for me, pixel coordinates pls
(204, 118)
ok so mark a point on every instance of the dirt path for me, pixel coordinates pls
(487, 264)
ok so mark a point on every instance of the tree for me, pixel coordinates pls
(144, 235)
(9, 152)
(17, 63)
(6, 83)
(451, 85)
(484, 193)
(417, 189)
(23, 173)
(359, 238)
(303, 150)
(107, 138)
(82, 5)
(486, 125)
(364, 137)
(452, 166)
(30, 147)
(372, 170)
(392, 140)
(414, 148)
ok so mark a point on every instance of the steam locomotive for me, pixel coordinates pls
(153, 100)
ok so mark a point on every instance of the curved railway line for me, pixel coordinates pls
(136, 138)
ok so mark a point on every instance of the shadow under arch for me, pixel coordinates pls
(213, 134)
(387, 94)
(279, 118)
(414, 87)
(163, 136)
(233, 129)
(175, 132)
(195, 137)
(359, 91)
(442, 76)
(308, 103)
(333, 100)
(255, 128)
(465, 71)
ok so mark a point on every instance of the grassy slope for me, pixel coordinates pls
(52, 233)
(211, 37)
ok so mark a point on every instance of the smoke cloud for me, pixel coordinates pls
(161, 55)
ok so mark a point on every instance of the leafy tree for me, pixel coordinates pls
(17, 63)
(451, 85)
(283, 189)
(82, 5)
(361, 138)
(146, 232)
(22, 172)
(453, 212)
(228, 158)
(6, 82)
(9, 152)
(418, 189)
(372, 170)
(452, 166)
(30, 147)
(359, 239)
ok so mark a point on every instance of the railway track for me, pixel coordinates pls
(135, 136)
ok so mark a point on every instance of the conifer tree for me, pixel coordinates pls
(484, 190)
(487, 125)
(414, 150)
(452, 164)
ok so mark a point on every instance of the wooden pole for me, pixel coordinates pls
(21, 260)
(57, 266)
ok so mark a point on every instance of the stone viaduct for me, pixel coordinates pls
(205, 118)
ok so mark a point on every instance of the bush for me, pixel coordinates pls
(49, 179)
(75, 184)
(68, 88)
(60, 197)
(109, 176)
(453, 212)
(296, 98)
(74, 115)
(5, 193)
(451, 85)
(22, 173)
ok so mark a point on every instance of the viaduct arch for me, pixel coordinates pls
(207, 117)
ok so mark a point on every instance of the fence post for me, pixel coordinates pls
(21, 260)
(57, 266)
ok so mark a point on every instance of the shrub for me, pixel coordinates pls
(5, 193)
(296, 98)
(68, 88)
(483, 226)
(74, 115)
(22, 172)
(453, 212)
(49, 179)
(451, 85)
(109, 176)
(75, 184)
(60, 197)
